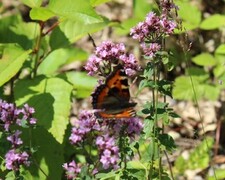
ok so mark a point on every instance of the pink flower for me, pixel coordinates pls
(72, 170)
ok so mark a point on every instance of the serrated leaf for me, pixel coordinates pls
(41, 14)
(51, 99)
(82, 83)
(75, 10)
(60, 57)
(12, 59)
(204, 59)
(32, 3)
(213, 22)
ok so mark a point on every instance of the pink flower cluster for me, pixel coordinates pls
(87, 122)
(106, 143)
(109, 151)
(152, 28)
(72, 170)
(109, 53)
(11, 115)
(149, 32)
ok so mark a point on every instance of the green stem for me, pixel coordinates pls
(37, 48)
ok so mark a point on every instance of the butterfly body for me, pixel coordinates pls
(112, 99)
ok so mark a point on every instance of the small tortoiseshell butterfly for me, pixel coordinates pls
(112, 99)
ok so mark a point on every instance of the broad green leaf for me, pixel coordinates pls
(75, 30)
(213, 22)
(58, 39)
(32, 3)
(41, 13)
(17, 31)
(211, 92)
(190, 14)
(198, 73)
(60, 57)
(12, 59)
(98, 2)
(204, 59)
(183, 88)
(82, 83)
(75, 10)
(48, 157)
(220, 50)
(51, 99)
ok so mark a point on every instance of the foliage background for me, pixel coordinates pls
(57, 58)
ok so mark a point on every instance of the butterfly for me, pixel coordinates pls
(112, 99)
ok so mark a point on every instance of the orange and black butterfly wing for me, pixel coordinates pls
(112, 98)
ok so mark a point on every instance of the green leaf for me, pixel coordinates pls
(189, 13)
(104, 176)
(220, 174)
(12, 59)
(51, 99)
(220, 50)
(48, 151)
(17, 31)
(41, 14)
(183, 88)
(211, 92)
(98, 2)
(204, 59)
(75, 30)
(60, 57)
(32, 3)
(75, 10)
(58, 39)
(167, 142)
(82, 83)
(213, 22)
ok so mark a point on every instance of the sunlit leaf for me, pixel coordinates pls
(189, 13)
(75, 30)
(60, 57)
(11, 60)
(32, 3)
(204, 59)
(41, 13)
(220, 50)
(51, 99)
(75, 10)
(98, 2)
(83, 84)
(213, 22)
